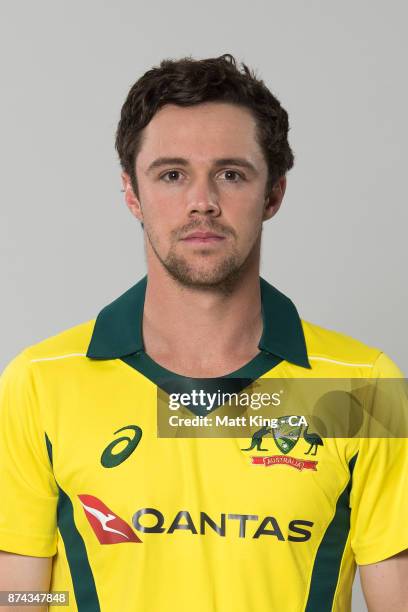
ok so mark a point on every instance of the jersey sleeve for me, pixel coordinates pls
(379, 493)
(29, 492)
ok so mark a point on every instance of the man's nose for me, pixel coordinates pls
(203, 198)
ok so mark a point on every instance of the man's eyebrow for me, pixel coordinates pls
(167, 161)
(181, 161)
(236, 161)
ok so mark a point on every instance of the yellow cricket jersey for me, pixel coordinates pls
(141, 523)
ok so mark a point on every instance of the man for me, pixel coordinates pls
(94, 502)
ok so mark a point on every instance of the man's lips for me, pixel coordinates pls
(203, 237)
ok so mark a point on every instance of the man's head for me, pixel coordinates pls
(203, 147)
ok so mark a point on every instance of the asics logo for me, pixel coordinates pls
(109, 458)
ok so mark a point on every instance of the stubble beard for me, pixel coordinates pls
(220, 278)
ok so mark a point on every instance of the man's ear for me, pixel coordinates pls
(274, 199)
(131, 199)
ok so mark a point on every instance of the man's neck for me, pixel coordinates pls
(201, 333)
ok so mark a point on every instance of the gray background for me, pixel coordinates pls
(68, 244)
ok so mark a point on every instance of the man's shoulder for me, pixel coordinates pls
(71, 341)
(332, 348)
(336, 345)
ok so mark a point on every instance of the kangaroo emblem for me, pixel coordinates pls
(256, 441)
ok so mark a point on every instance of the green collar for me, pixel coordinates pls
(118, 327)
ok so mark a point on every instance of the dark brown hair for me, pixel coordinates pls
(187, 82)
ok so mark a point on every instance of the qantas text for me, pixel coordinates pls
(228, 524)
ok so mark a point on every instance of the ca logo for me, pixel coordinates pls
(109, 458)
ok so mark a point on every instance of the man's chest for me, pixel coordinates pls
(109, 459)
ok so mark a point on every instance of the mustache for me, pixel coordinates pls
(215, 227)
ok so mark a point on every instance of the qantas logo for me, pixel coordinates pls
(100, 515)
(111, 529)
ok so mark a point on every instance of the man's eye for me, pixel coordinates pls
(232, 176)
(171, 176)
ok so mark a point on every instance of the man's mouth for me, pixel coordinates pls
(203, 237)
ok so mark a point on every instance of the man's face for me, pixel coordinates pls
(200, 169)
